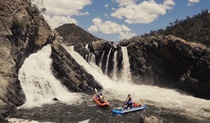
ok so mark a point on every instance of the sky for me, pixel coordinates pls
(115, 20)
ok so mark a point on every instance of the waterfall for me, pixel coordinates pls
(125, 72)
(39, 84)
(115, 72)
(126, 75)
(92, 58)
(100, 63)
(107, 62)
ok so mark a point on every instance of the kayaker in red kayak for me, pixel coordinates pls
(100, 97)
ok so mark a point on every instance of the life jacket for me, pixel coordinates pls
(136, 104)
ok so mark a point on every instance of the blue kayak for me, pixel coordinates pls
(123, 111)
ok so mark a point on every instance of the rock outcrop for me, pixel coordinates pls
(171, 61)
(71, 74)
(22, 31)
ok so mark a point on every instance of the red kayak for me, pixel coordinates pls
(106, 103)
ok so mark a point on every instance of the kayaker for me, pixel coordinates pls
(100, 97)
(128, 102)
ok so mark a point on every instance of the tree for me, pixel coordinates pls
(43, 10)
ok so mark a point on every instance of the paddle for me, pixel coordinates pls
(125, 102)
(126, 99)
(95, 90)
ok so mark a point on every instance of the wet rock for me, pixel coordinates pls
(55, 99)
(81, 50)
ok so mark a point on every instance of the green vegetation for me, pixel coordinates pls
(194, 29)
(16, 27)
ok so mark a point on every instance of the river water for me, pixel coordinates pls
(89, 112)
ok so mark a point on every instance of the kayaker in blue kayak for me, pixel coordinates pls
(128, 102)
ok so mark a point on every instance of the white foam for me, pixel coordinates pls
(18, 120)
(85, 121)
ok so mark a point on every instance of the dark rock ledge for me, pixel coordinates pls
(71, 74)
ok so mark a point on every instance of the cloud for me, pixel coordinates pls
(106, 5)
(168, 4)
(106, 15)
(61, 11)
(145, 12)
(109, 27)
(125, 2)
(192, 2)
(113, 9)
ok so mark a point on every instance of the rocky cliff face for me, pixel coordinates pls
(23, 31)
(171, 61)
(71, 74)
